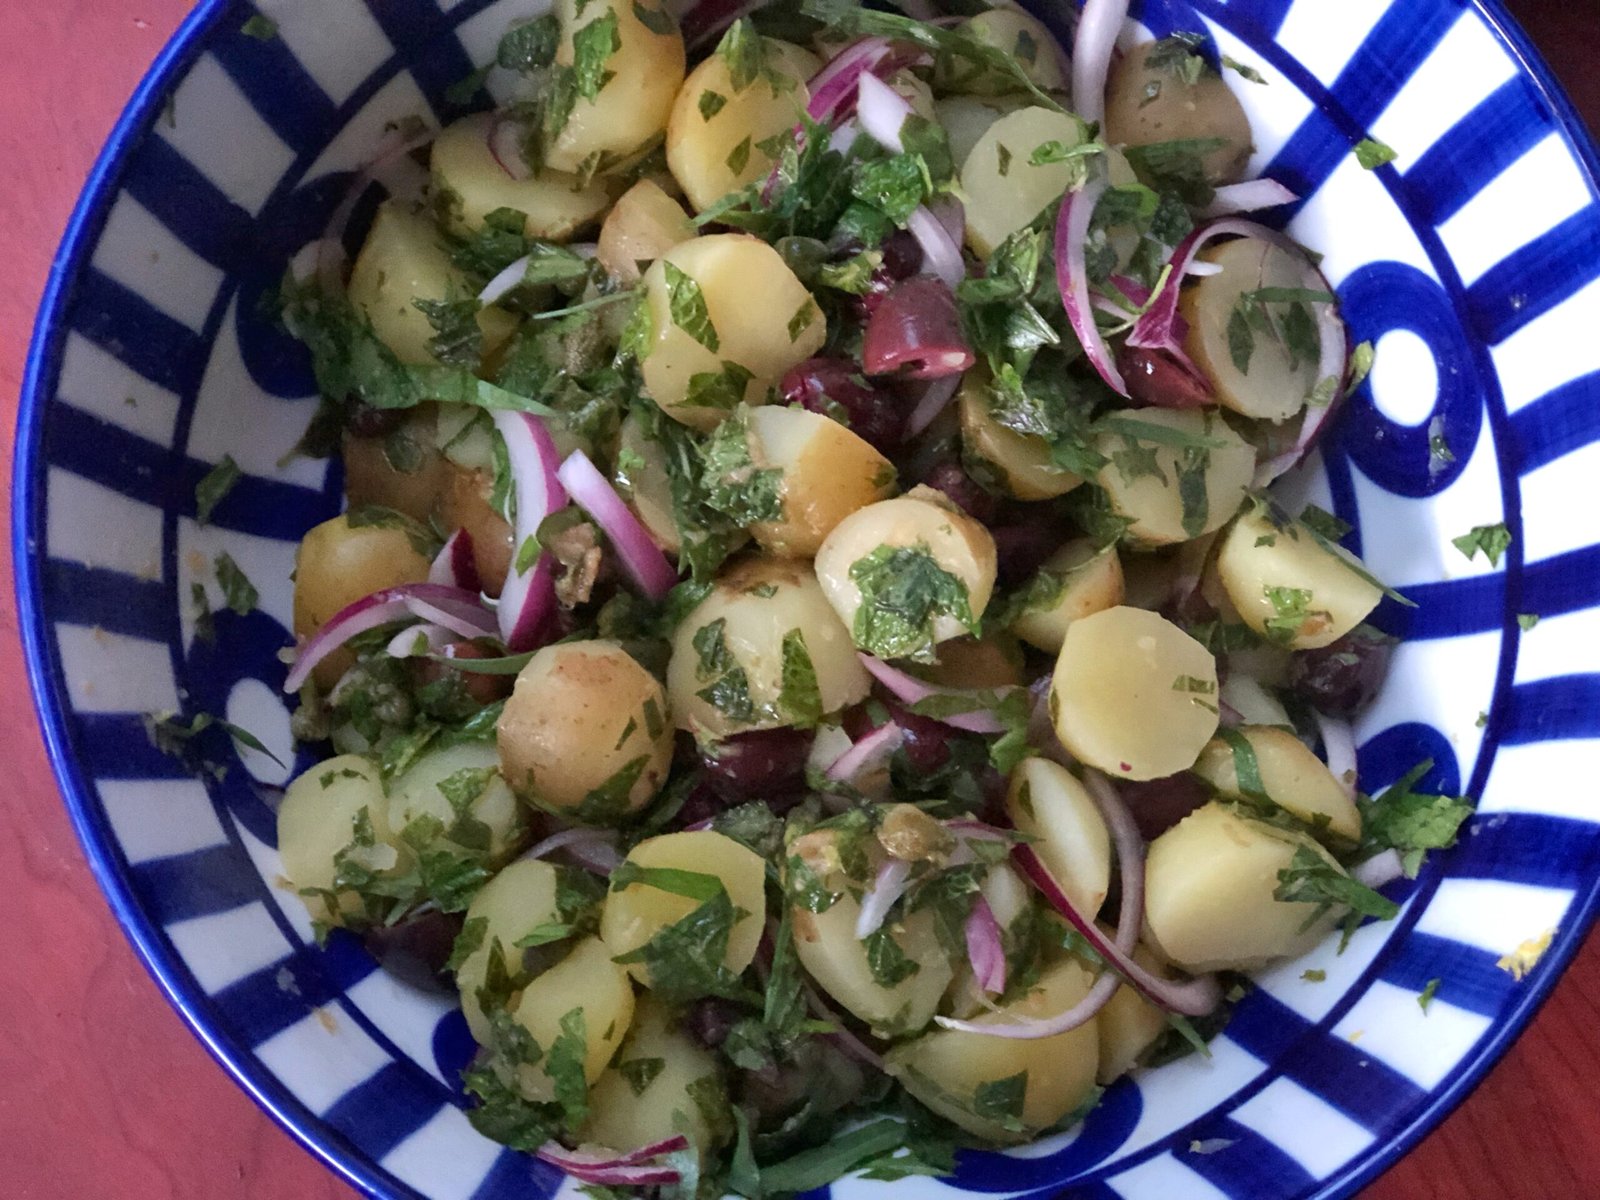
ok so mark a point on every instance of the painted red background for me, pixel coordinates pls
(102, 1090)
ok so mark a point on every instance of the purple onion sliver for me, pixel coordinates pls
(935, 399)
(882, 111)
(369, 612)
(455, 566)
(1072, 278)
(941, 253)
(454, 618)
(887, 886)
(908, 689)
(1339, 744)
(868, 754)
(419, 640)
(501, 284)
(1382, 868)
(1253, 195)
(985, 947)
(641, 558)
(1092, 48)
(528, 596)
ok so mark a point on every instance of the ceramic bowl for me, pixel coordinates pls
(1472, 262)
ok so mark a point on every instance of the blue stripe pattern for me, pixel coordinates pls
(1537, 270)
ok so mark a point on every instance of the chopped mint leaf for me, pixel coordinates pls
(543, 935)
(686, 304)
(799, 698)
(1527, 620)
(1372, 154)
(803, 318)
(205, 626)
(657, 20)
(887, 961)
(237, 590)
(641, 1073)
(1001, 1100)
(685, 960)
(468, 942)
(457, 340)
(1411, 822)
(530, 45)
(260, 27)
(1493, 540)
(1314, 976)
(904, 591)
(1312, 879)
(732, 483)
(743, 52)
(1176, 55)
(592, 46)
(1430, 989)
(711, 103)
(1323, 522)
(691, 885)
(739, 157)
(1250, 74)
(215, 485)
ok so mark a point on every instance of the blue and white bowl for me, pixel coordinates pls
(1473, 262)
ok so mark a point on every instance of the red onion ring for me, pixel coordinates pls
(405, 643)
(528, 597)
(497, 288)
(1252, 195)
(455, 565)
(1072, 278)
(887, 886)
(882, 111)
(462, 619)
(641, 559)
(910, 690)
(369, 612)
(1092, 49)
(941, 253)
(607, 1167)
(985, 947)
(868, 754)
(504, 138)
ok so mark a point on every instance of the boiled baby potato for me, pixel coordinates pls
(828, 473)
(1129, 1024)
(1292, 777)
(515, 902)
(1133, 694)
(586, 732)
(836, 959)
(336, 565)
(1090, 581)
(1288, 586)
(461, 782)
(1046, 802)
(1023, 463)
(1173, 493)
(639, 911)
(677, 1074)
(641, 471)
(716, 129)
(1148, 104)
(987, 663)
(1023, 38)
(726, 673)
(640, 77)
(1208, 893)
(1277, 381)
(472, 184)
(317, 822)
(965, 119)
(922, 537)
(727, 317)
(1004, 189)
(642, 226)
(401, 262)
(585, 982)
(949, 1070)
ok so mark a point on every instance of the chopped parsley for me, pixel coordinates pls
(213, 486)
(1372, 154)
(1001, 1100)
(238, 592)
(1314, 976)
(1430, 989)
(1493, 540)
(904, 591)
(711, 103)
(686, 304)
(260, 27)
(1402, 819)
(457, 340)
(1527, 621)
(1312, 879)
(732, 483)
(1282, 314)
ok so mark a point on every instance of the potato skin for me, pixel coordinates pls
(642, 226)
(944, 1069)
(317, 820)
(1091, 581)
(1155, 503)
(1177, 111)
(586, 979)
(629, 112)
(338, 564)
(749, 327)
(828, 473)
(516, 901)
(471, 184)
(580, 713)
(759, 601)
(638, 912)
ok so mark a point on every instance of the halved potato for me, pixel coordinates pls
(641, 469)
(1024, 38)
(1024, 463)
(1176, 473)
(516, 901)
(1148, 104)
(642, 226)
(1090, 581)
(317, 820)
(1004, 189)
(1289, 775)
(1046, 802)
(471, 184)
(659, 1081)
(585, 982)
(828, 473)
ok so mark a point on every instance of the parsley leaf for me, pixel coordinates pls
(1372, 154)
(1000, 1100)
(213, 486)
(1429, 990)
(686, 304)
(237, 590)
(1526, 621)
(1493, 540)
(530, 45)
(685, 959)
(457, 340)
(904, 591)
(1312, 879)
(1411, 822)
(260, 27)
(732, 483)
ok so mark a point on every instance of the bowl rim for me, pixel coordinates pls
(41, 370)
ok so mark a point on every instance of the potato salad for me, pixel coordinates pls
(812, 656)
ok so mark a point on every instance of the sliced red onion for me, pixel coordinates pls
(1228, 716)
(917, 328)
(1332, 363)
(941, 253)
(505, 136)
(842, 1036)
(1382, 868)
(475, 622)
(978, 831)
(641, 558)
(909, 690)
(952, 215)
(869, 754)
(985, 947)
(612, 1168)
(528, 596)
(1339, 744)
(1042, 735)
(568, 837)
(1250, 196)
(882, 111)
(1099, 25)
(1157, 329)
(844, 135)
(497, 288)
(886, 887)
(1193, 998)
(390, 166)
(1072, 276)
(936, 398)
(455, 565)
(419, 640)
(369, 612)
(833, 89)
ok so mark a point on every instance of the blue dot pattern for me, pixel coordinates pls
(1305, 1094)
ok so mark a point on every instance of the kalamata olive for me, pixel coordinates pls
(1342, 677)
(363, 420)
(1159, 804)
(759, 764)
(917, 329)
(1021, 549)
(817, 1071)
(416, 949)
(832, 386)
(1157, 380)
(709, 1020)
(902, 255)
(965, 492)
(927, 742)
(485, 689)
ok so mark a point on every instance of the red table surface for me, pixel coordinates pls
(104, 1092)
